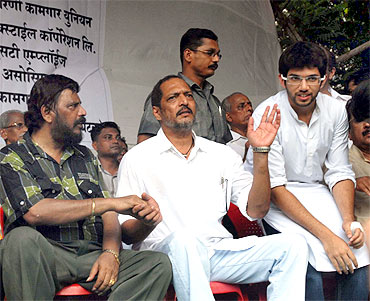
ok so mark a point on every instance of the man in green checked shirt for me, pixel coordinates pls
(61, 227)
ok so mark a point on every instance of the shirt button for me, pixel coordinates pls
(53, 191)
(89, 191)
(21, 203)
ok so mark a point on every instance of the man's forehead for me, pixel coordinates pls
(209, 43)
(174, 85)
(16, 116)
(304, 71)
(237, 98)
(108, 130)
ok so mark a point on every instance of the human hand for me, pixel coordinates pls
(125, 205)
(150, 215)
(106, 268)
(339, 254)
(356, 238)
(363, 184)
(265, 134)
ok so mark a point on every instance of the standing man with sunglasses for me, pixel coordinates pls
(200, 55)
(314, 133)
(12, 127)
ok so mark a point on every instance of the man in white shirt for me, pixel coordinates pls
(238, 109)
(194, 180)
(105, 139)
(313, 132)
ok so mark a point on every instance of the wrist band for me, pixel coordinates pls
(356, 225)
(92, 207)
(114, 253)
(261, 149)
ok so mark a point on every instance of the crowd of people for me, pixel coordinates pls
(286, 165)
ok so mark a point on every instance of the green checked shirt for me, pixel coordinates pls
(29, 175)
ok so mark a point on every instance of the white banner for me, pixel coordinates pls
(39, 37)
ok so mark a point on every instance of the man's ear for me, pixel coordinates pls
(94, 145)
(157, 113)
(4, 134)
(332, 73)
(188, 55)
(47, 114)
(228, 117)
(282, 82)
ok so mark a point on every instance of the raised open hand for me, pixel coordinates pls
(265, 134)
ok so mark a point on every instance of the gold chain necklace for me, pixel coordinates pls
(191, 146)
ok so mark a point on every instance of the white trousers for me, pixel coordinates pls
(280, 259)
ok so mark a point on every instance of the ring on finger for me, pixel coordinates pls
(111, 282)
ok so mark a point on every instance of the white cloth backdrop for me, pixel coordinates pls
(141, 40)
(142, 45)
(39, 37)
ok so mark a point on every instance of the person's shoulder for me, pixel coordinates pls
(277, 98)
(215, 147)
(331, 105)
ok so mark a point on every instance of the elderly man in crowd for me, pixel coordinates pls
(12, 127)
(238, 109)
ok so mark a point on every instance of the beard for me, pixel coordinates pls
(179, 126)
(63, 135)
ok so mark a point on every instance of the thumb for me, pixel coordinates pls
(93, 272)
(146, 197)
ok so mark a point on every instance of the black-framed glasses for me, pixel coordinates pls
(311, 80)
(210, 53)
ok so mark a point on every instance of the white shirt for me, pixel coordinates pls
(299, 152)
(237, 143)
(338, 96)
(192, 194)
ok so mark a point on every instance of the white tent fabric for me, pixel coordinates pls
(142, 45)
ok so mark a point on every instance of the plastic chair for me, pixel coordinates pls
(244, 227)
(227, 290)
(73, 290)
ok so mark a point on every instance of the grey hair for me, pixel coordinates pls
(226, 105)
(6, 116)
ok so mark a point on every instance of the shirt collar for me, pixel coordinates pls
(237, 136)
(165, 145)
(206, 86)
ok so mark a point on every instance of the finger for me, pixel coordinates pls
(277, 119)
(146, 197)
(93, 272)
(342, 265)
(250, 125)
(271, 117)
(105, 278)
(137, 208)
(264, 116)
(353, 258)
(335, 264)
(357, 241)
(348, 263)
(152, 218)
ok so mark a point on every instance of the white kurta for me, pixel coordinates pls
(193, 194)
(338, 96)
(297, 158)
(238, 143)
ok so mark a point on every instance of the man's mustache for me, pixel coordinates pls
(80, 120)
(365, 132)
(184, 109)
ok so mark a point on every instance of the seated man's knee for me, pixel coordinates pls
(23, 237)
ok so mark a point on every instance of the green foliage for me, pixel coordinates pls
(339, 25)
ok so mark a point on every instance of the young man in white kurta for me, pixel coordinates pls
(194, 187)
(302, 146)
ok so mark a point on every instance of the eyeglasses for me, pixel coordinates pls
(18, 125)
(311, 80)
(211, 53)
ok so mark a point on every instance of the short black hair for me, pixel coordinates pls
(301, 55)
(192, 39)
(359, 105)
(46, 92)
(358, 76)
(96, 130)
(157, 91)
